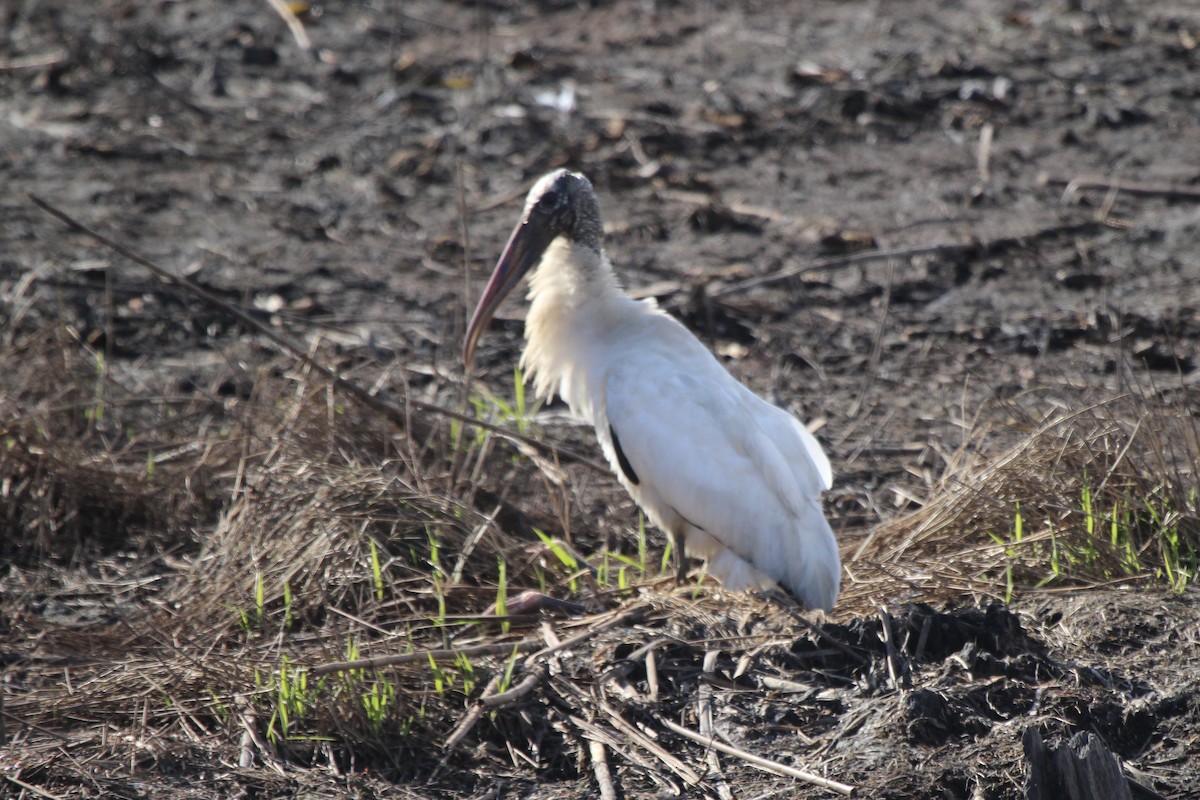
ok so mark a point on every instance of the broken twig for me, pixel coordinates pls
(447, 654)
(911, 251)
(1168, 191)
(524, 687)
(600, 768)
(689, 775)
(705, 714)
(471, 717)
(760, 762)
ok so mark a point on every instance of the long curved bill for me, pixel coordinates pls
(524, 250)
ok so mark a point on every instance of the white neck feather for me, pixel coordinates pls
(575, 301)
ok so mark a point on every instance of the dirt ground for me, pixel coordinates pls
(907, 221)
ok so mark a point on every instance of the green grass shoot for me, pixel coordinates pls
(377, 702)
(376, 571)
(506, 681)
(466, 671)
(564, 557)
(502, 594)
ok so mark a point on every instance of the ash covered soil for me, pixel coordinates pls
(899, 220)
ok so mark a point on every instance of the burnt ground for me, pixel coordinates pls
(918, 225)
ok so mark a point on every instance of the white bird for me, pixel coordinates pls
(712, 464)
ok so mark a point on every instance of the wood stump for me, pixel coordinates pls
(1082, 768)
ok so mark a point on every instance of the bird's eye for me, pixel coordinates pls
(551, 200)
(554, 206)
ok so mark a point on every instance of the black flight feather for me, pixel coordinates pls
(626, 467)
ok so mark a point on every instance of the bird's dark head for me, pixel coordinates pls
(563, 203)
(560, 204)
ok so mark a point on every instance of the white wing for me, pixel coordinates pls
(736, 468)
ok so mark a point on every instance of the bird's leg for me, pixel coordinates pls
(679, 556)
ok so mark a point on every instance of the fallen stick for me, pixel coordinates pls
(837, 262)
(760, 762)
(893, 658)
(251, 739)
(600, 769)
(686, 773)
(472, 716)
(38, 61)
(983, 157)
(704, 702)
(1166, 190)
(29, 787)
(447, 654)
(652, 675)
(524, 687)
(633, 617)
(593, 732)
(843, 648)
(491, 699)
(910, 251)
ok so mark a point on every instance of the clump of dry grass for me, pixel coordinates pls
(334, 529)
(229, 546)
(1107, 493)
(87, 461)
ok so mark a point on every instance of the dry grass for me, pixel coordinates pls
(180, 559)
(1104, 494)
(180, 563)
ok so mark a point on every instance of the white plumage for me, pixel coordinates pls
(710, 463)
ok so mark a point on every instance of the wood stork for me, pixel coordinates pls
(712, 464)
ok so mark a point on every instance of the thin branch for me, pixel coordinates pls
(872, 370)
(910, 251)
(844, 648)
(837, 262)
(526, 685)
(593, 732)
(652, 675)
(248, 718)
(491, 699)
(472, 716)
(686, 773)
(447, 654)
(758, 761)
(893, 658)
(38, 61)
(704, 702)
(600, 768)
(1168, 191)
(631, 617)
(28, 787)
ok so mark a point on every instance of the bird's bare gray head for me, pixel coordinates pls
(564, 203)
(561, 204)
